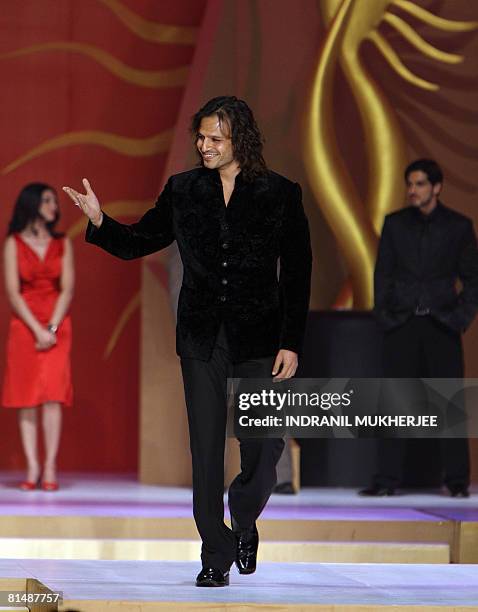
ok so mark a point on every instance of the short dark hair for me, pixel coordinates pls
(26, 209)
(429, 167)
(247, 140)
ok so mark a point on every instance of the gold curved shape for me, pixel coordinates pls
(123, 208)
(446, 25)
(132, 147)
(396, 63)
(144, 78)
(125, 316)
(384, 141)
(327, 174)
(418, 42)
(151, 30)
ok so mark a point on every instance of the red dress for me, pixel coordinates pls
(34, 377)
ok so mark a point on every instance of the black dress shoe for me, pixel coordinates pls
(247, 545)
(284, 488)
(212, 577)
(377, 491)
(459, 491)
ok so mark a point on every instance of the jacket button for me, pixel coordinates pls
(225, 245)
(224, 264)
(224, 281)
(223, 298)
(224, 227)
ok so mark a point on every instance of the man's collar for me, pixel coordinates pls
(436, 213)
(215, 177)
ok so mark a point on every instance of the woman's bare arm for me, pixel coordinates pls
(44, 338)
(67, 283)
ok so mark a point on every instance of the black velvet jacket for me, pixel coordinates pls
(420, 258)
(229, 257)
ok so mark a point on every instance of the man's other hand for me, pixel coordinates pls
(289, 362)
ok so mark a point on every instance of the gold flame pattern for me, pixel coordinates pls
(133, 147)
(175, 77)
(356, 221)
(124, 317)
(150, 30)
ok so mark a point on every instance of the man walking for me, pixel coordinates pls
(424, 250)
(232, 219)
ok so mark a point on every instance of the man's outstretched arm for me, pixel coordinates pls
(154, 231)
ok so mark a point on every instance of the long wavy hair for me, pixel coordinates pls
(27, 209)
(247, 140)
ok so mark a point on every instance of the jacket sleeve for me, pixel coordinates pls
(295, 271)
(468, 274)
(383, 277)
(153, 232)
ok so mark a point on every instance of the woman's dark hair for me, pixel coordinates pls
(247, 141)
(429, 167)
(27, 208)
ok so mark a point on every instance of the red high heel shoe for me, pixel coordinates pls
(49, 486)
(26, 485)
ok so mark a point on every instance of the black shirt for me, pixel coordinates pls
(420, 259)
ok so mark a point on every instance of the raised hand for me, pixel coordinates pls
(87, 202)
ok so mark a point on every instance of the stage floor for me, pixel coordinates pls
(116, 495)
(89, 538)
(367, 585)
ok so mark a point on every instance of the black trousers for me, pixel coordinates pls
(205, 386)
(423, 348)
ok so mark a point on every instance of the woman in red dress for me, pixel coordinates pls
(39, 281)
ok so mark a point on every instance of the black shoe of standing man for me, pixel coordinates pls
(247, 545)
(284, 488)
(459, 491)
(212, 577)
(377, 491)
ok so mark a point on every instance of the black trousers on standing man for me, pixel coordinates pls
(205, 387)
(423, 348)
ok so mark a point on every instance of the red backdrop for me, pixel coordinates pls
(112, 72)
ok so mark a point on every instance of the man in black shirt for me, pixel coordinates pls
(424, 250)
(232, 219)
